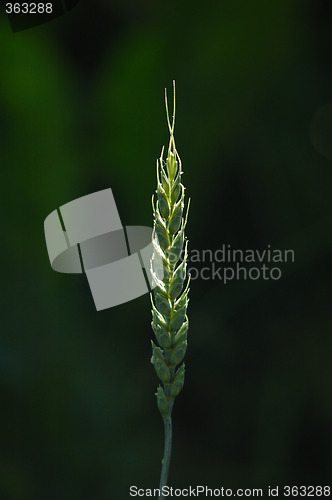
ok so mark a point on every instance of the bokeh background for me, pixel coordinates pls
(81, 109)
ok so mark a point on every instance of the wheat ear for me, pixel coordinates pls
(170, 296)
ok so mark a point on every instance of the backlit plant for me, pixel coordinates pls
(170, 296)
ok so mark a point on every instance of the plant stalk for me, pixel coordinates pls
(167, 454)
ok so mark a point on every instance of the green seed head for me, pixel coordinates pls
(168, 268)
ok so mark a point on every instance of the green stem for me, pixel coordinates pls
(167, 454)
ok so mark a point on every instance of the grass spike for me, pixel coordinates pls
(169, 298)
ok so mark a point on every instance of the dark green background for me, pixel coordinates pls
(81, 109)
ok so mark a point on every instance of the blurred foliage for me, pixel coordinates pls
(81, 109)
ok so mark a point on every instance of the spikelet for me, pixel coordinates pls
(168, 268)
